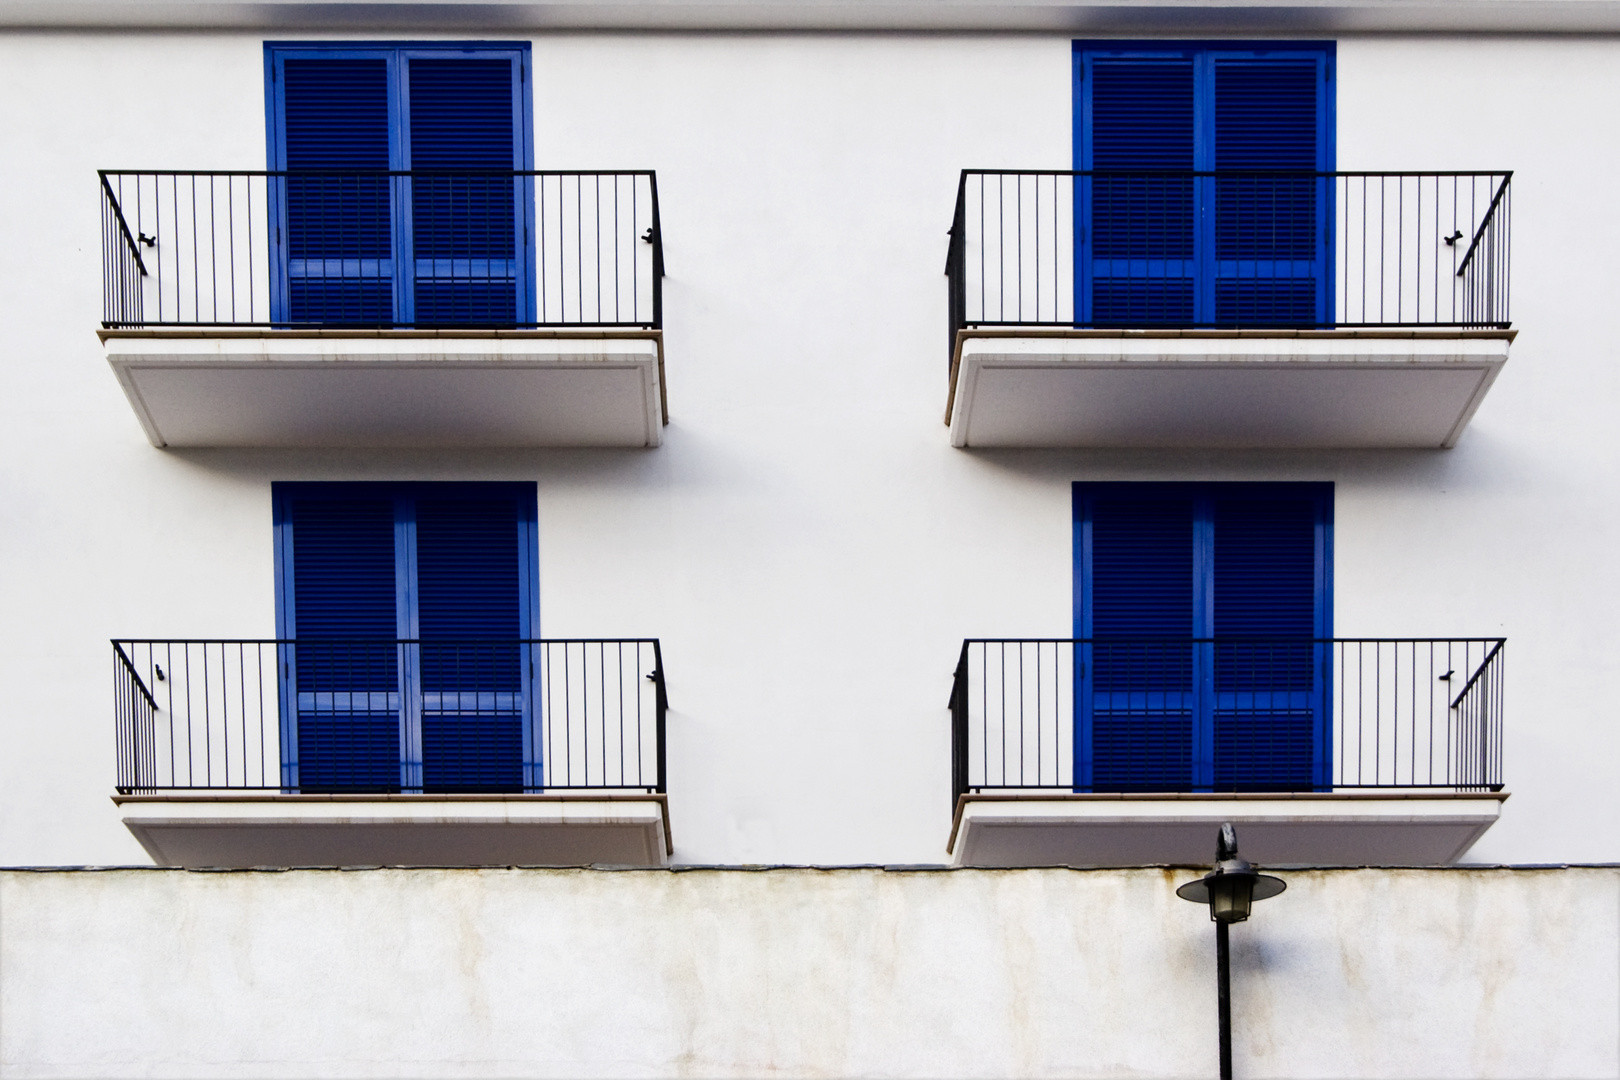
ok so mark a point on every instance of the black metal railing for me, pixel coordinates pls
(1227, 714)
(389, 715)
(375, 249)
(1225, 249)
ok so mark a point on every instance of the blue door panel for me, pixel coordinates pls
(342, 590)
(463, 114)
(468, 569)
(337, 243)
(1140, 231)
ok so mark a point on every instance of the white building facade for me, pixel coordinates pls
(977, 436)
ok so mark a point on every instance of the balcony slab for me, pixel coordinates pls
(1240, 389)
(400, 830)
(467, 388)
(1306, 829)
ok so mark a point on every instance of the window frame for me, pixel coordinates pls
(1203, 55)
(404, 495)
(396, 55)
(1202, 495)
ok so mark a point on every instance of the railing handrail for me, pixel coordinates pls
(123, 226)
(104, 173)
(1219, 173)
(1386, 712)
(234, 714)
(1479, 671)
(230, 259)
(129, 668)
(1177, 639)
(116, 642)
(1485, 222)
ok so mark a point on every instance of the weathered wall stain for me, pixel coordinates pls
(801, 972)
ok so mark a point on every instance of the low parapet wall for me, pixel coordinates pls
(801, 972)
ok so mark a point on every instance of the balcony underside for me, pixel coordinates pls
(1341, 829)
(400, 830)
(1219, 389)
(490, 388)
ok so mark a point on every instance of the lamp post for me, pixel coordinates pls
(1230, 890)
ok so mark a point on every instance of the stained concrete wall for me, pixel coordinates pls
(801, 972)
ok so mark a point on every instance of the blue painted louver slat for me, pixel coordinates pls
(338, 247)
(464, 228)
(1269, 232)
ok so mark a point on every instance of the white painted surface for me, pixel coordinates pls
(1248, 392)
(806, 543)
(1182, 17)
(964, 973)
(401, 831)
(276, 390)
(1300, 830)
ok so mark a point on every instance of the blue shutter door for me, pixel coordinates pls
(1268, 723)
(337, 253)
(469, 604)
(1139, 696)
(463, 115)
(1270, 233)
(1137, 242)
(347, 687)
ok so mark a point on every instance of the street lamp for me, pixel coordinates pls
(1230, 890)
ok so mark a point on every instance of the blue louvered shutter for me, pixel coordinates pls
(1139, 679)
(344, 620)
(1267, 582)
(1137, 233)
(470, 613)
(1270, 233)
(466, 229)
(337, 248)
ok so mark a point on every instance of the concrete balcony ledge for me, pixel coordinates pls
(1393, 828)
(392, 388)
(246, 830)
(1240, 389)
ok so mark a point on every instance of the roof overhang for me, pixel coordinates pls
(1186, 17)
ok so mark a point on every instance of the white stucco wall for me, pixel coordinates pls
(806, 543)
(801, 973)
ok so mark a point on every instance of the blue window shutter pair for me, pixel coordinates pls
(451, 244)
(450, 570)
(1202, 610)
(1155, 246)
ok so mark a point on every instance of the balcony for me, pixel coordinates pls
(1225, 309)
(1130, 751)
(422, 308)
(338, 752)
